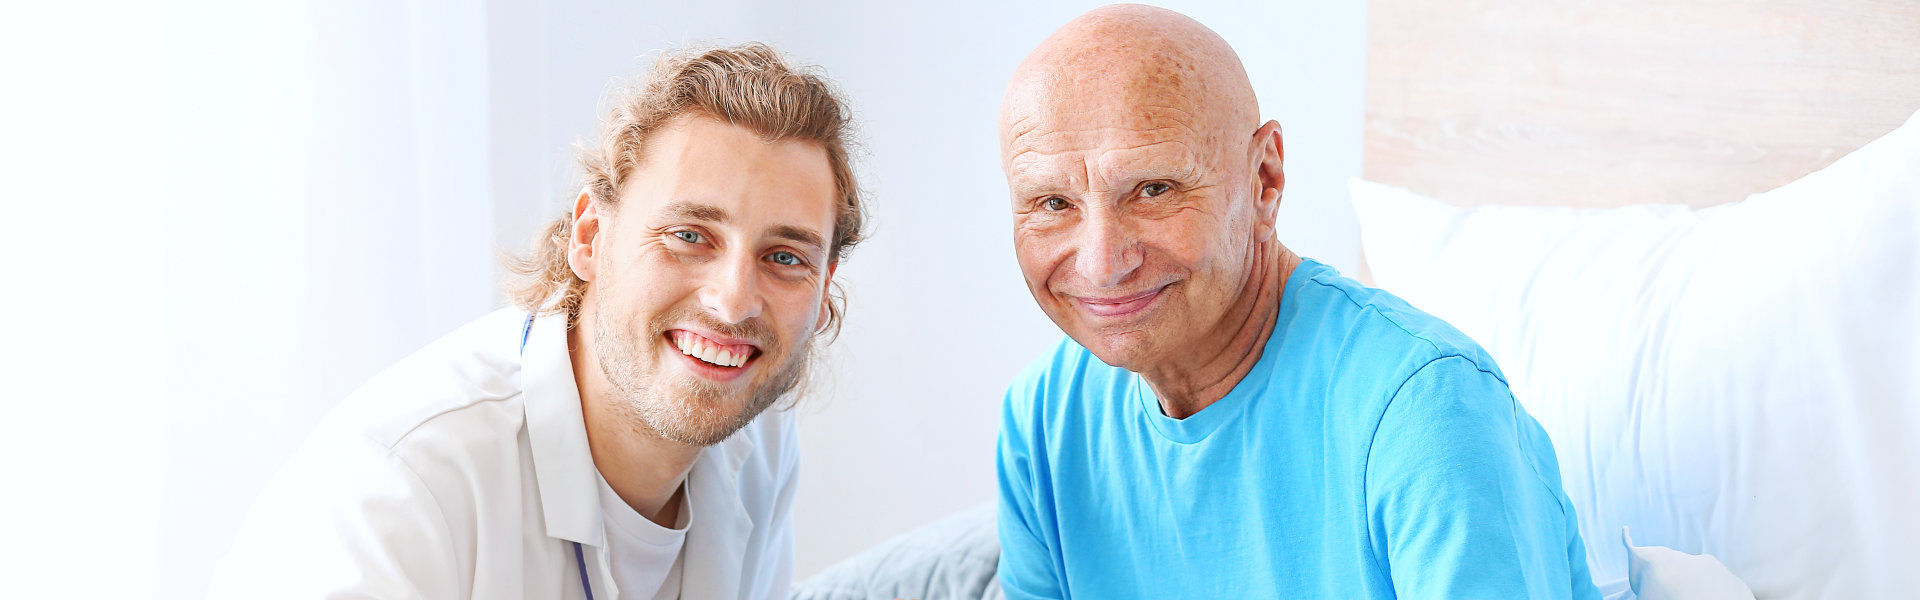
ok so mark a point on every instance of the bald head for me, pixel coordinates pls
(1131, 56)
(1144, 188)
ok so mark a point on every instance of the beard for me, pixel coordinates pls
(690, 410)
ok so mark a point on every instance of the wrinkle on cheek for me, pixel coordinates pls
(1039, 260)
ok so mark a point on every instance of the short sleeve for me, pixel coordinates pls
(1029, 568)
(1457, 503)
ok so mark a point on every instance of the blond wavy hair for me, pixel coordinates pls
(749, 85)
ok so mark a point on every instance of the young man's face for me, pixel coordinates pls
(709, 276)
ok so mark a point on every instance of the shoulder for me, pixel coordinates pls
(1064, 361)
(466, 379)
(1376, 332)
(451, 405)
(1057, 379)
(1456, 425)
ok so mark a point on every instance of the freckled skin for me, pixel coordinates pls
(1138, 168)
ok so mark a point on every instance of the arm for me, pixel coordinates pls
(342, 520)
(1458, 499)
(1028, 565)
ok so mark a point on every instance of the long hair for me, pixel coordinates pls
(749, 85)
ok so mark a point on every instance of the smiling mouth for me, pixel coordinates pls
(730, 356)
(1121, 306)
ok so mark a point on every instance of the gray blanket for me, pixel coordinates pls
(954, 558)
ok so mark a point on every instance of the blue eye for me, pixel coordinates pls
(785, 258)
(689, 236)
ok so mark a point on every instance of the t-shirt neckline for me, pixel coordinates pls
(624, 520)
(1198, 426)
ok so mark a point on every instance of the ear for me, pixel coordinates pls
(586, 229)
(1269, 157)
(826, 298)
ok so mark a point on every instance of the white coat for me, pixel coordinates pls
(463, 472)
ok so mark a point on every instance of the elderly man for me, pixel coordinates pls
(605, 438)
(1229, 419)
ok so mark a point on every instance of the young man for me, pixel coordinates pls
(606, 438)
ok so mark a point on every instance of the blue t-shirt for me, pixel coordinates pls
(1372, 452)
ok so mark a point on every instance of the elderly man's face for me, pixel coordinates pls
(1133, 217)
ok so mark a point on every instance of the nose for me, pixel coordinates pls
(1107, 252)
(731, 293)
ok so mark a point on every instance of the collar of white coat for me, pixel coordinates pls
(563, 468)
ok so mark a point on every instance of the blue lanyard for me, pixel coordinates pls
(579, 556)
(580, 560)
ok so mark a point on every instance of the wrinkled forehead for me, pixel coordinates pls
(1155, 121)
(1041, 145)
(1107, 86)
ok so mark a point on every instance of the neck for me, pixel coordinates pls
(645, 470)
(1193, 380)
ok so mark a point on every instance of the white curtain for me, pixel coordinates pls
(222, 216)
(219, 217)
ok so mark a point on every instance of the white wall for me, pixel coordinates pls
(939, 319)
(220, 217)
(225, 216)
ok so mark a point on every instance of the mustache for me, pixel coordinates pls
(754, 330)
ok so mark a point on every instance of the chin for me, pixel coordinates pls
(697, 419)
(701, 435)
(700, 413)
(1126, 350)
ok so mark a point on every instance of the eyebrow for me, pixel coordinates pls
(697, 211)
(799, 235)
(714, 214)
(1035, 177)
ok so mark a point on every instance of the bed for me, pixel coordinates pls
(1687, 232)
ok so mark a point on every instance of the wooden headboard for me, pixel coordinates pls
(1590, 103)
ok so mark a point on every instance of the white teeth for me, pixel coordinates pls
(697, 347)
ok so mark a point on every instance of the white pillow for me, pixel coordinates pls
(1737, 381)
(1661, 573)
